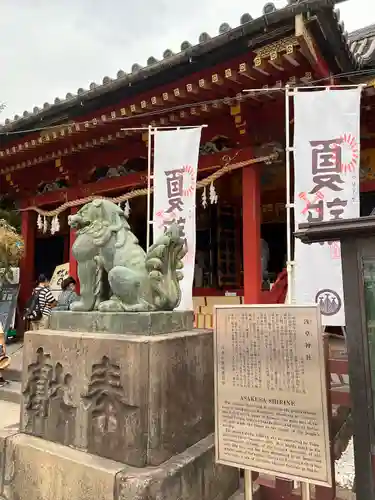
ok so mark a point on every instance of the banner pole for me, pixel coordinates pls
(288, 196)
(305, 491)
(149, 158)
(248, 485)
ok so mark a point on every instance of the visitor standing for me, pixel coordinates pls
(40, 305)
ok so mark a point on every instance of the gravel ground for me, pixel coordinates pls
(344, 467)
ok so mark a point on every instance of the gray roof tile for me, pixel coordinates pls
(360, 48)
(362, 45)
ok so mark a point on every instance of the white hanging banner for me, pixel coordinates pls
(176, 154)
(326, 187)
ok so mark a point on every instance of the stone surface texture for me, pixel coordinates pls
(154, 323)
(191, 475)
(136, 399)
(118, 414)
(36, 469)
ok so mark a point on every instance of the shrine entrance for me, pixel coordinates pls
(50, 252)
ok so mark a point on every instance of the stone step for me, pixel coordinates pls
(14, 371)
(10, 417)
(13, 374)
(11, 392)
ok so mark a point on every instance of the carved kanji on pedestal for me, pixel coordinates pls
(48, 401)
(112, 421)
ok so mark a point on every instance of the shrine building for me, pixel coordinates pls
(53, 157)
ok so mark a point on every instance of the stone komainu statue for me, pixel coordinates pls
(115, 273)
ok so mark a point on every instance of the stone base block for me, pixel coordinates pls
(36, 469)
(148, 323)
(136, 399)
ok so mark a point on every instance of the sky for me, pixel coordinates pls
(49, 48)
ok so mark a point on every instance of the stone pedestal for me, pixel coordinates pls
(124, 401)
(136, 323)
(36, 469)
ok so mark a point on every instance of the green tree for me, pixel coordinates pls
(12, 217)
(8, 211)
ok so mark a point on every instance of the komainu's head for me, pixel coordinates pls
(101, 212)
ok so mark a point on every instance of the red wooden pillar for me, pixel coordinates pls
(72, 262)
(27, 264)
(251, 211)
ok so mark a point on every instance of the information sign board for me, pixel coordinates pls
(60, 273)
(270, 391)
(8, 305)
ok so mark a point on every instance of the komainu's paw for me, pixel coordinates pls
(111, 305)
(80, 306)
(141, 306)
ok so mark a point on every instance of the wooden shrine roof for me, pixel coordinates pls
(252, 33)
(362, 45)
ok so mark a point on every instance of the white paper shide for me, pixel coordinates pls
(176, 154)
(326, 174)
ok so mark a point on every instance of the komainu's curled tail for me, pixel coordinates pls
(164, 266)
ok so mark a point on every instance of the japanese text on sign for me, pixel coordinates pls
(271, 411)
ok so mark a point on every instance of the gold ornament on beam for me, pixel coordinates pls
(240, 124)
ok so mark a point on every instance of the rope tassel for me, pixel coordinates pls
(204, 198)
(39, 222)
(55, 225)
(127, 209)
(213, 194)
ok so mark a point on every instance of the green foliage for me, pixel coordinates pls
(11, 249)
(13, 218)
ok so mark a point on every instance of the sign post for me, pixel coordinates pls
(8, 305)
(358, 264)
(271, 410)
